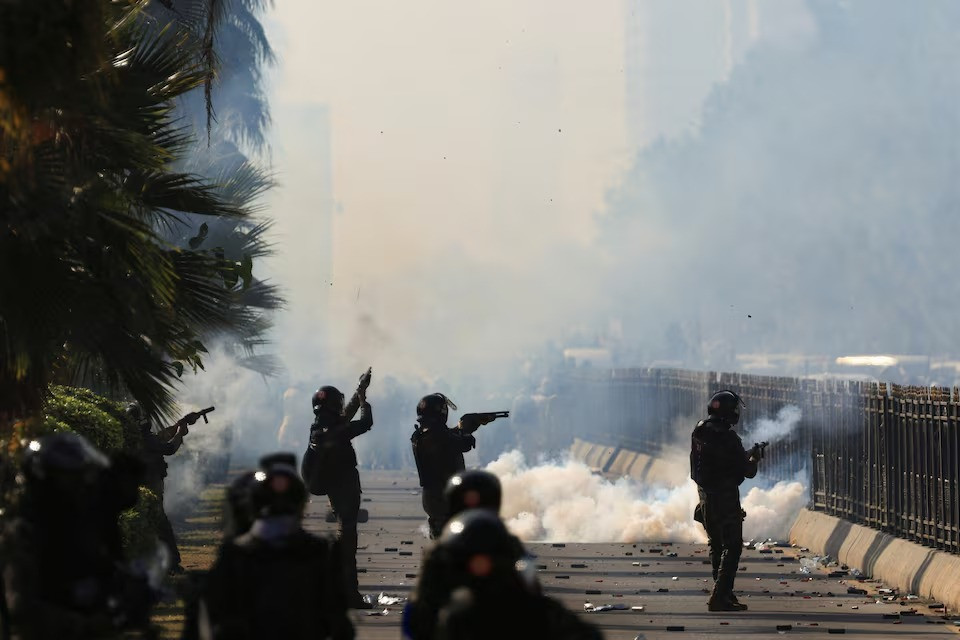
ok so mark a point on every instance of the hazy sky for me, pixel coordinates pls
(471, 143)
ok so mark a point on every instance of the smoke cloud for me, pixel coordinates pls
(564, 500)
(773, 429)
(459, 203)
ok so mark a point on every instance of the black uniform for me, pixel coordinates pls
(155, 449)
(335, 475)
(439, 577)
(287, 587)
(438, 452)
(719, 464)
(476, 590)
(62, 573)
(505, 611)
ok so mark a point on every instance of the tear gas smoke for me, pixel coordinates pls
(242, 428)
(770, 512)
(565, 500)
(773, 429)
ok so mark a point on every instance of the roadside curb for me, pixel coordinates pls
(910, 567)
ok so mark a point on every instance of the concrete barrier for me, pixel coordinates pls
(622, 461)
(899, 563)
(595, 456)
(579, 449)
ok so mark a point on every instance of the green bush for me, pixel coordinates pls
(85, 413)
(139, 525)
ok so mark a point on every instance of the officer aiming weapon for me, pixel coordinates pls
(470, 422)
(189, 419)
(756, 452)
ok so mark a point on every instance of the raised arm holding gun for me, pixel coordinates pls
(470, 422)
(157, 446)
(180, 427)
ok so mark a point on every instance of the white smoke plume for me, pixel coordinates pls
(774, 429)
(566, 500)
(243, 425)
(770, 512)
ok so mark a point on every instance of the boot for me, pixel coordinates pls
(737, 603)
(722, 601)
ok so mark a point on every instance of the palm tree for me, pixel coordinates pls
(232, 46)
(89, 143)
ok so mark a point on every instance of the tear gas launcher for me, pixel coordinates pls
(470, 422)
(757, 451)
(190, 418)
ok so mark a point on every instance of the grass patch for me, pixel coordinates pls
(198, 538)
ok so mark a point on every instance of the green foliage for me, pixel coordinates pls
(77, 410)
(89, 186)
(139, 525)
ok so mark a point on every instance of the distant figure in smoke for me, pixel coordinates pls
(276, 580)
(156, 446)
(438, 452)
(329, 468)
(719, 464)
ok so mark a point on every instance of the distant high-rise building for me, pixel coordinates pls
(675, 52)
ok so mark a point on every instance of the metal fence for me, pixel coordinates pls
(885, 456)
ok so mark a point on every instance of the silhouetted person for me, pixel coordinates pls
(64, 572)
(438, 452)
(239, 514)
(719, 464)
(494, 598)
(276, 581)
(330, 468)
(466, 490)
(156, 447)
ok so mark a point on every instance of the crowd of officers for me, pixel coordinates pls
(273, 579)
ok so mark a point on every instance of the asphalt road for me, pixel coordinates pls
(670, 581)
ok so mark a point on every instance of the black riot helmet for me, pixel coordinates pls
(277, 488)
(136, 415)
(725, 405)
(434, 408)
(478, 543)
(473, 489)
(328, 399)
(64, 456)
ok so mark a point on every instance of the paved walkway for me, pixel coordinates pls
(669, 581)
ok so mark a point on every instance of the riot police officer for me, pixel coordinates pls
(64, 574)
(493, 597)
(156, 447)
(719, 464)
(473, 489)
(277, 580)
(438, 452)
(465, 491)
(330, 468)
